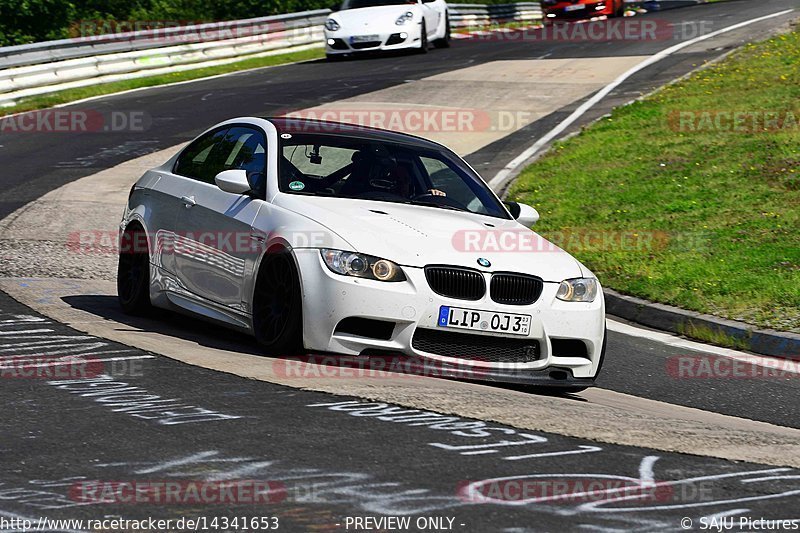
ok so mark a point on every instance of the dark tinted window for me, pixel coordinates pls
(198, 159)
(245, 149)
(237, 147)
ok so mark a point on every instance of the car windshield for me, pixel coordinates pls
(355, 4)
(370, 169)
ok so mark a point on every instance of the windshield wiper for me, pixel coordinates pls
(434, 204)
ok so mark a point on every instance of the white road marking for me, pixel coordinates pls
(19, 332)
(646, 475)
(678, 342)
(583, 449)
(505, 174)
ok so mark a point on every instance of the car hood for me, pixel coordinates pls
(371, 17)
(418, 236)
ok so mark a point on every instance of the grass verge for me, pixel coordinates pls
(690, 197)
(71, 95)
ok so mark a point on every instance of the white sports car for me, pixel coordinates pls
(364, 25)
(324, 237)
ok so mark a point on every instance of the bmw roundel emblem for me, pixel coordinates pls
(482, 261)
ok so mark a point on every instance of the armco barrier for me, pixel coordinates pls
(465, 15)
(45, 67)
(50, 66)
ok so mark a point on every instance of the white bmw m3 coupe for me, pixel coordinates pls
(370, 25)
(330, 238)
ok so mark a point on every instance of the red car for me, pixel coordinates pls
(581, 9)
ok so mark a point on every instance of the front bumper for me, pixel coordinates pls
(396, 37)
(410, 306)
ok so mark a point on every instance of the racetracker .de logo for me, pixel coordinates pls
(741, 367)
(734, 121)
(166, 32)
(199, 243)
(374, 366)
(526, 241)
(599, 31)
(179, 492)
(76, 121)
(409, 120)
(50, 368)
(579, 490)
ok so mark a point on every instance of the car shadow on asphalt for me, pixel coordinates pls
(168, 323)
(218, 337)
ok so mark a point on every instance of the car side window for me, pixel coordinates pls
(197, 161)
(245, 148)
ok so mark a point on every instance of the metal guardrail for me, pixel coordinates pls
(45, 67)
(465, 15)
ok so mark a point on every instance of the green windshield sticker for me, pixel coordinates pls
(297, 185)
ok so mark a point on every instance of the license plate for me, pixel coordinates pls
(575, 7)
(473, 319)
(364, 38)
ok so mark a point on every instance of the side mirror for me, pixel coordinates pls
(233, 181)
(525, 214)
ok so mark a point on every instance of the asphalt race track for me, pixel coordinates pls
(452, 454)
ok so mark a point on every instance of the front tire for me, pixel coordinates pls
(277, 305)
(423, 39)
(133, 272)
(444, 42)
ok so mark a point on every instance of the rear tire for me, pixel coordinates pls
(133, 272)
(277, 305)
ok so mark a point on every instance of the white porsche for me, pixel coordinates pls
(370, 25)
(331, 238)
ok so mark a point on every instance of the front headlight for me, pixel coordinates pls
(405, 17)
(362, 266)
(577, 290)
(331, 25)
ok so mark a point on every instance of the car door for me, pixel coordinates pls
(170, 194)
(220, 247)
(431, 14)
